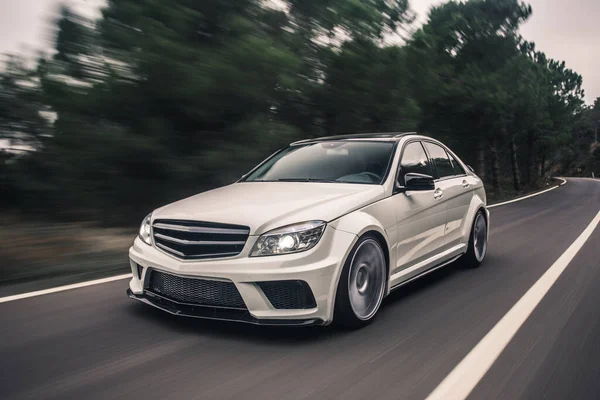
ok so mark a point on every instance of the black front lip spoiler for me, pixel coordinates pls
(216, 313)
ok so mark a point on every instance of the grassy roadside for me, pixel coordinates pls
(36, 255)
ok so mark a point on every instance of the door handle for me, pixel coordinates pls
(438, 193)
(465, 184)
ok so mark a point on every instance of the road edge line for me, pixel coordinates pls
(63, 288)
(461, 381)
(528, 196)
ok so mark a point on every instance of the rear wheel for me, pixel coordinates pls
(362, 284)
(477, 242)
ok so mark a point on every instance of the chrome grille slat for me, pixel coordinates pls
(197, 240)
(170, 250)
(205, 255)
(200, 242)
(196, 229)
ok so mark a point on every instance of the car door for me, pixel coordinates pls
(452, 180)
(463, 186)
(420, 217)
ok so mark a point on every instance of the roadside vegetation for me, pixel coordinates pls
(155, 101)
(58, 252)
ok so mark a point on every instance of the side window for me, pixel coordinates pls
(440, 159)
(458, 169)
(414, 160)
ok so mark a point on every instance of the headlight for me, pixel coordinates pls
(289, 239)
(145, 234)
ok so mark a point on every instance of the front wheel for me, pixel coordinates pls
(477, 242)
(362, 284)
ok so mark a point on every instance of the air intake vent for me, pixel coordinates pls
(193, 291)
(198, 240)
(290, 295)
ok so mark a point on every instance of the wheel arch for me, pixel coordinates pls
(360, 224)
(372, 234)
(477, 204)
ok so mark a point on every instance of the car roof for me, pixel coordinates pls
(383, 136)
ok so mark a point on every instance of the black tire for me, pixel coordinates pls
(344, 313)
(473, 258)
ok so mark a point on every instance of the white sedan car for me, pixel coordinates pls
(321, 231)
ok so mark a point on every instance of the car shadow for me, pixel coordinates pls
(285, 335)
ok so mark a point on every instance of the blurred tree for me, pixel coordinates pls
(355, 19)
(460, 60)
(164, 98)
(367, 90)
(488, 92)
(22, 126)
(155, 101)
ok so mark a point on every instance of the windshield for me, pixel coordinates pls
(334, 161)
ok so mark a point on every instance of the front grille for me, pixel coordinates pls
(195, 291)
(290, 295)
(197, 240)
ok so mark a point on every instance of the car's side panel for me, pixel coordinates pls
(420, 233)
(420, 215)
(458, 193)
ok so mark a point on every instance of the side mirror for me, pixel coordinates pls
(414, 181)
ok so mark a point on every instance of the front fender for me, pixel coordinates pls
(358, 223)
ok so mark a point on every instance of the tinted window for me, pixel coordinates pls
(414, 160)
(440, 159)
(457, 168)
(334, 161)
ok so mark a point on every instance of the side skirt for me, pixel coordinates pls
(422, 274)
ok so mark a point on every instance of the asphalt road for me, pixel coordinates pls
(95, 343)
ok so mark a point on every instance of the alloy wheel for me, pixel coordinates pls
(366, 280)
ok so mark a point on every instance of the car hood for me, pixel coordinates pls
(268, 205)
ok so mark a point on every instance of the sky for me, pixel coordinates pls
(566, 30)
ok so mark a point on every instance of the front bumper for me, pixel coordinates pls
(215, 313)
(319, 267)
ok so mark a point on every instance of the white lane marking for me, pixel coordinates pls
(63, 288)
(467, 374)
(528, 196)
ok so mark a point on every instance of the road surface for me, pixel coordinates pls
(95, 343)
